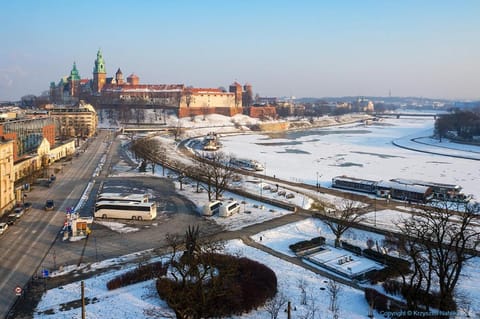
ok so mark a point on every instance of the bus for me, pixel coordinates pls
(123, 197)
(229, 209)
(126, 210)
(211, 208)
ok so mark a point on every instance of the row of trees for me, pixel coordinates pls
(460, 124)
(213, 174)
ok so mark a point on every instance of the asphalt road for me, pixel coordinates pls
(25, 245)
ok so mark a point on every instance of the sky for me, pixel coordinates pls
(282, 48)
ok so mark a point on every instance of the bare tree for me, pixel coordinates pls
(439, 242)
(346, 215)
(274, 305)
(302, 284)
(217, 172)
(312, 311)
(334, 289)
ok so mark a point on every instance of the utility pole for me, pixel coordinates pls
(83, 300)
(289, 310)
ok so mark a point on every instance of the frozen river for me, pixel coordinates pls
(357, 151)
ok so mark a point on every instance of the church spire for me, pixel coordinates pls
(99, 63)
(74, 75)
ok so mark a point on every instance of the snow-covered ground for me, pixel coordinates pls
(141, 300)
(365, 152)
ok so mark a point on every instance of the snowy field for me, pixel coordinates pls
(141, 300)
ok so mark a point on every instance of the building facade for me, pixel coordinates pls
(7, 194)
(27, 134)
(75, 121)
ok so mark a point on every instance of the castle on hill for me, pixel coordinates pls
(118, 93)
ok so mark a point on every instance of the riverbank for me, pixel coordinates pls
(242, 124)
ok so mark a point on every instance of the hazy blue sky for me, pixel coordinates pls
(300, 48)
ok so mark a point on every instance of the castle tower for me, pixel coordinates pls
(133, 79)
(247, 96)
(119, 77)
(99, 73)
(74, 81)
(236, 88)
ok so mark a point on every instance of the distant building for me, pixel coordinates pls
(27, 134)
(201, 101)
(74, 121)
(363, 105)
(7, 195)
(115, 93)
(99, 74)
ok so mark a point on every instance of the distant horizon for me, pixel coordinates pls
(282, 48)
(339, 98)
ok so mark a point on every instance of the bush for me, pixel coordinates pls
(431, 299)
(142, 273)
(386, 259)
(307, 244)
(381, 302)
(392, 287)
(241, 286)
(352, 248)
(386, 273)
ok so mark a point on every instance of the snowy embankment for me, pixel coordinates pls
(426, 144)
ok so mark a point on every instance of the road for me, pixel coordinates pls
(23, 248)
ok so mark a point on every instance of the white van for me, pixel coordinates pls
(211, 208)
(229, 209)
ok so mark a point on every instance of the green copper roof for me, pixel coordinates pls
(99, 64)
(74, 73)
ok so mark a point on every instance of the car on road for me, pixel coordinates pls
(12, 219)
(49, 204)
(19, 211)
(3, 227)
(27, 206)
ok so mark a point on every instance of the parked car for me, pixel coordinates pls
(12, 219)
(49, 204)
(3, 227)
(19, 211)
(27, 206)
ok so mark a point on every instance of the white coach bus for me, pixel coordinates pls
(126, 210)
(229, 209)
(119, 197)
(211, 208)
